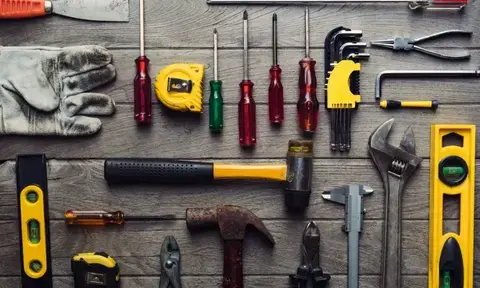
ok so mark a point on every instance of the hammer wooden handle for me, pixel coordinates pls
(233, 264)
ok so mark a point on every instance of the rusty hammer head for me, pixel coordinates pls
(299, 174)
(232, 221)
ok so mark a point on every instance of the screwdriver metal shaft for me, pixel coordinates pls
(307, 105)
(142, 82)
(275, 90)
(216, 99)
(246, 106)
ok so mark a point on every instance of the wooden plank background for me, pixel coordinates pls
(181, 31)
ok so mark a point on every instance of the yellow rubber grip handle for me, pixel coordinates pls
(394, 104)
(275, 172)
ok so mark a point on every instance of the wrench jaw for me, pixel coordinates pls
(399, 161)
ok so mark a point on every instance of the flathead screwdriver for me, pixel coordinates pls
(246, 106)
(275, 90)
(216, 99)
(103, 218)
(142, 82)
(307, 105)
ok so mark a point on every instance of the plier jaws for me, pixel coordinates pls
(409, 44)
(170, 264)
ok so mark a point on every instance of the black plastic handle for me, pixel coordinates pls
(159, 171)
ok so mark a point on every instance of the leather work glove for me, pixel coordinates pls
(44, 90)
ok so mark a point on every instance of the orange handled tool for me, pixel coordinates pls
(103, 218)
(14, 9)
(92, 10)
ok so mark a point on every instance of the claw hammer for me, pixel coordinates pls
(296, 173)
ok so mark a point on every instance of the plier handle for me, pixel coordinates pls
(409, 44)
(170, 264)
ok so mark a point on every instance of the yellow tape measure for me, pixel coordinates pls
(180, 87)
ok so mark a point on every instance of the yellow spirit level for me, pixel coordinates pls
(452, 172)
(34, 230)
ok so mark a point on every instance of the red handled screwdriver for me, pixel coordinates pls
(142, 82)
(246, 106)
(275, 91)
(307, 105)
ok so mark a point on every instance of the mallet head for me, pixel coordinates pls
(298, 186)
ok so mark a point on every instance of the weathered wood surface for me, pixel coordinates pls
(181, 31)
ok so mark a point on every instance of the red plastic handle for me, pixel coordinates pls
(275, 96)
(247, 115)
(17, 9)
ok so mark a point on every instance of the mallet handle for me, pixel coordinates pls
(160, 171)
(164, 171)
(233, 264)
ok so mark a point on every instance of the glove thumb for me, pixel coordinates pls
(79, 126)
(33, 86)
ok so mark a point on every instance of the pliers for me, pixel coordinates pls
(409, 44)
(170, 261)
(310, 266)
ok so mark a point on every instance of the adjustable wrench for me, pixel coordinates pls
(352, 197)
(396, 165)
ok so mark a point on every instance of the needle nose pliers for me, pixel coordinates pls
(170, 261)
(409, 44)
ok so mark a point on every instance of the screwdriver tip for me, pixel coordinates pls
(245, 15)
(274, 16)
(215, 31)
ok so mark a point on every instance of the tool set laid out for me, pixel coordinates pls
(342, 82)
(452, 174)
(179, 87)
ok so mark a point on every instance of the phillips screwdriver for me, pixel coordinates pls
(216, 99)
(142, 82)
(246, 106)
(394, 104)
(275, 91)
(103, 218)
(307, 105)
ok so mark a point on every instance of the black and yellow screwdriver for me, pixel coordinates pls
(394, 104)
(103, 218)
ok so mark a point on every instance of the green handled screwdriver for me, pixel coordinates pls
(216, 99)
